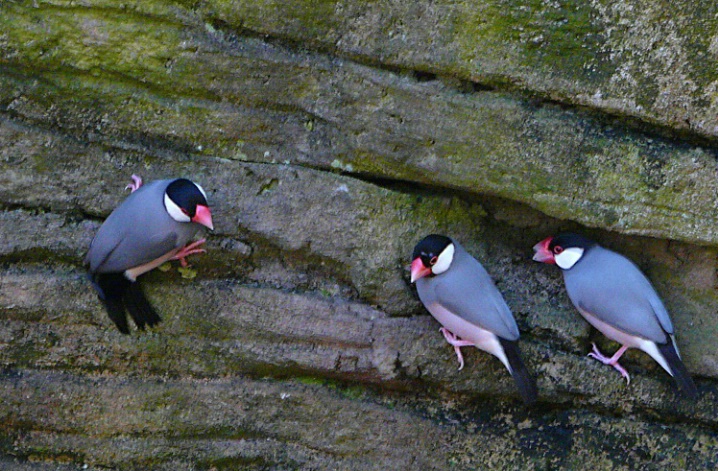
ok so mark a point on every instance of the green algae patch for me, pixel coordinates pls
(90, 39)
(313, 20)
(117, 75)
(562, 39)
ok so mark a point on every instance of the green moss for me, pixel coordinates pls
(311, 380)
(365, 161)
(42, 454)
(135, 113)
(561, 38)
(352, 391)
(137, 46)
(26, 353)
(681, 43)
(238, 463)
(313, 20)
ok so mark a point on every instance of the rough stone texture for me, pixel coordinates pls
(652, 60)
(331, 137)
(199, 89)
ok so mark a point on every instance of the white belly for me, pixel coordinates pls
(628, 340)
(481, 338)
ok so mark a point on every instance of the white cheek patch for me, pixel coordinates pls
(174, 211)
(568, 257)
(443, 261)
(201, 190)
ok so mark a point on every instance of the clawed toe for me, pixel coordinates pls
(457, 344)
(136, 183)
(187, 250)
(612, 361)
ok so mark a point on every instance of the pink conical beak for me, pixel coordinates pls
(203, 216)
(543, 254)
(418, 270)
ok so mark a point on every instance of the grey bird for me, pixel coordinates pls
(456, 289)
(151, 226)
(615, 297)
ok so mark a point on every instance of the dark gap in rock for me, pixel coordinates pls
(415, 188)
(422, 76)
(468, 87)
(620, 124)
(223, 32)
(481, 87)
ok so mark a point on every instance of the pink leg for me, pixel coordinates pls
(188, 249)
(613, 361)
(136, 183)
(457, 343)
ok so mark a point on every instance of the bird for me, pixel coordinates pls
(615, 297)
(151, 226)
(457, 290)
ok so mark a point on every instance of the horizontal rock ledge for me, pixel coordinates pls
(133, 423)
(269, 103)
(653, 62)
(330, 137)
(218, 328)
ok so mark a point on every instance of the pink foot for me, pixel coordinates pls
(613, 361)
(188, 249)
(457, 343)
(136, 183)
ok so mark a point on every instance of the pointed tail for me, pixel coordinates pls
(678, 369)
(120, 296)
(524, 381)
(139, 307)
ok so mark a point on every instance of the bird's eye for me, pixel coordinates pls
(185, 211)
(433, 260)
(558, 249)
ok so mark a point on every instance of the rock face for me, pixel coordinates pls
(332, 136)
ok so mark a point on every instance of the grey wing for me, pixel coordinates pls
(472, 295)
(129, 250)
(614, 290)
(132, 252)
(137, 231)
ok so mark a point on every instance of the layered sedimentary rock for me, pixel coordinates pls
(331, 137)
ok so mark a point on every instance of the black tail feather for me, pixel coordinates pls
(139, 307)
(524, 381)
(120, 296)
(116, 310)
(680, 373)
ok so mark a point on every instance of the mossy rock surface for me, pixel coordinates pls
(149, 77)
(330, 137)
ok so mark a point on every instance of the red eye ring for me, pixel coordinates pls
(433, 260)
(558, 249)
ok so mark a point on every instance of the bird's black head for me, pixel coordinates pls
(187, 195)
(432, 256)
(564, 249)
(569, 240)
(429, 247)
(186, 201)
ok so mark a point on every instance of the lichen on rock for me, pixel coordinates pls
(332, 136)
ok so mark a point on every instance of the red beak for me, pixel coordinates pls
(203, 216)
(543, 254)
(418, 270)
